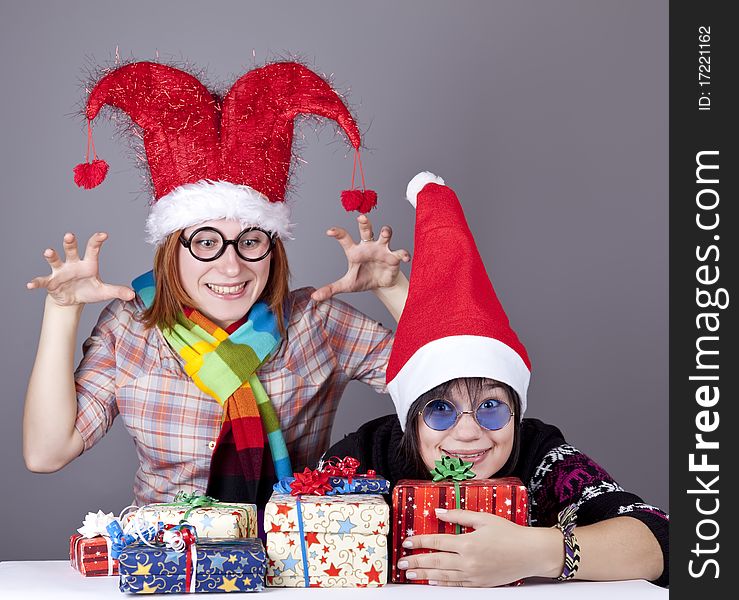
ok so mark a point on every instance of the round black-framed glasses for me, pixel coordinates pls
(440, 414)
(207, 244)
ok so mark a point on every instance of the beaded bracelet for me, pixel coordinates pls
(566, 524)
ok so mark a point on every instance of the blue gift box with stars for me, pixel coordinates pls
(210, 565)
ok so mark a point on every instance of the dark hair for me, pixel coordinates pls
(170, 296)
(410, 447)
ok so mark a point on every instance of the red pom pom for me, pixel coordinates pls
(351, 199)
(359, 200)
(90, 175)
(369, 201)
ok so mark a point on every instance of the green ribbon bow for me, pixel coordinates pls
(456, 470)
(196, 500)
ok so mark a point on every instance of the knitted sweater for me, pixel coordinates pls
(555, 474)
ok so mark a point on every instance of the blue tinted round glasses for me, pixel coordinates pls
(440, 414)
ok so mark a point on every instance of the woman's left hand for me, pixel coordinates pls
(496, 553)
(372, 265)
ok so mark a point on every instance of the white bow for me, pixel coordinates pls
(96, 524)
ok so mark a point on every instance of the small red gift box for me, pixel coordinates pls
(91, 556)
(414, 501)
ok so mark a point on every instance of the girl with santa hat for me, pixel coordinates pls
(459, 383)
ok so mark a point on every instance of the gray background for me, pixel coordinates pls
(549, 119)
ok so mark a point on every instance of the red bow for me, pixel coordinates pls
(310, 482)
(345, 467)
(316, 482)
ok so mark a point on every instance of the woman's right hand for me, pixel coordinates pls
(75, 280)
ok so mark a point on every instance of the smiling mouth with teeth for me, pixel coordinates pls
(465, 455)
(226, 289)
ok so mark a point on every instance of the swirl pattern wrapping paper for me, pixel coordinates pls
(344, 540)
(231, 520)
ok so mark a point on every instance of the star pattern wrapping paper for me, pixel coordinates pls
(361, 484)
(414, 502)
(345, 539)
(221, 566)
(231, 520)
(90, 556)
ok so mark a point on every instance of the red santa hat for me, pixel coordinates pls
(453, 324)
(213, 158)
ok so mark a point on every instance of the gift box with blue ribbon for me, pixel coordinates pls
(210, 565)
(320, 535)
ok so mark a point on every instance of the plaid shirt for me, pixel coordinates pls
(129, 370)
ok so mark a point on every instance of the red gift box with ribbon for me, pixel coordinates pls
(414, 501)
(91, 556)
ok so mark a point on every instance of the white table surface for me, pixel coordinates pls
(52, 579)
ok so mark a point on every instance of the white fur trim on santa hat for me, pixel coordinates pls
(195, 203)
(416, 184)
(457, 356)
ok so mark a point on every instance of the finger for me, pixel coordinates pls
(443, 542)
(52, 258)
(402, 255)
(437, 576)
(386, 233)
(466, 518)
(322, 294)
(447, 561)
(327, 291)
(38, 282)
(452, 583)
(365, 228)
(69, 243)
(119, 291)
(92, 251)
(341, 236)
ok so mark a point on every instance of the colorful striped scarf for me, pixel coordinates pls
(224, 366)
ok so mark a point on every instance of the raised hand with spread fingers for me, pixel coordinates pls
(76, 280)
(372, 265)
(50, 439)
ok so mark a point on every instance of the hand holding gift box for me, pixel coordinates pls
(492, 542)
(319, 534)
(417, 520)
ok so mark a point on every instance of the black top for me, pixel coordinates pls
(554, 473)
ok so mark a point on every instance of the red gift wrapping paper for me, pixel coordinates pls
(414, 501)
(90, 556)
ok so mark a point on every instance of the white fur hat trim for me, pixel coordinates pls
(457, 356)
